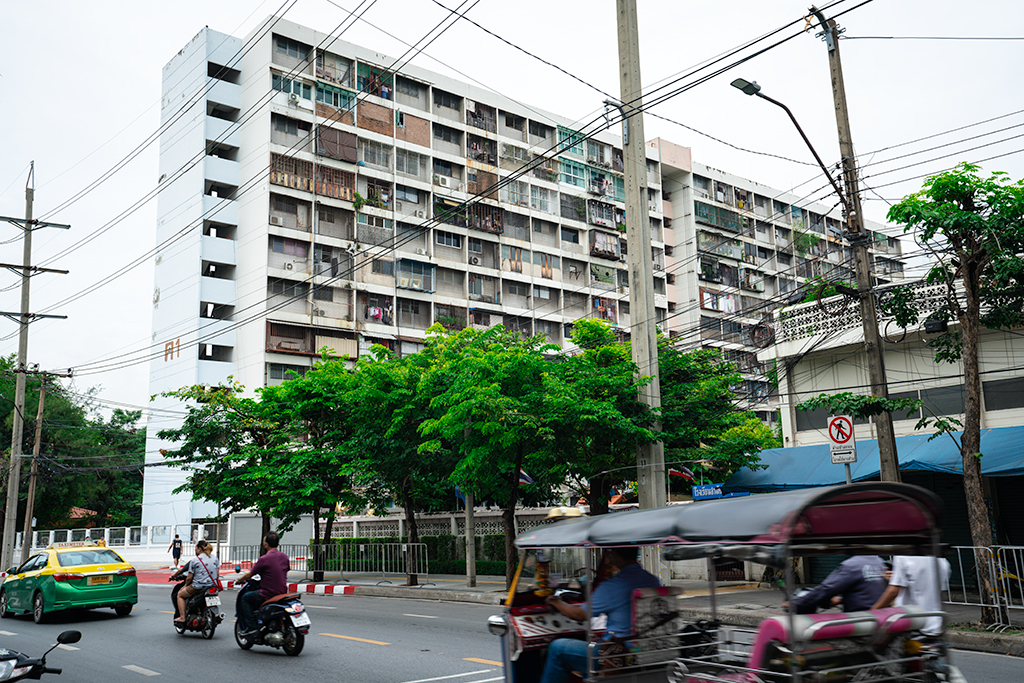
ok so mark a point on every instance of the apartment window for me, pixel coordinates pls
(476, 284)
(447, 100)
(540, 199)
(400, 119)
(570, 235)
(409, 307)
(285, 125)
(407, 194)
(323, 293)
(410, 88)
(281, 371)
(514, 122)
(383, 266)
(284, 245)
(303, 90)
(292, 48)
(541, 292)
(448, 239)
(515, 192)
(573, 173)
(518, 289)
(539, 129)
(447, 276)
(408, 162)
(443, 167)
(285, 204)
(570, 141)
(446, 134)
(375, 153)
(287, 287)
(475, 245)
(334, 97)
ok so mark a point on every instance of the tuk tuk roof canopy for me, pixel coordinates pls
(863, 517)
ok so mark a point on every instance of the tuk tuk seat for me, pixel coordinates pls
(655, 622)
(809, 627)
(892, 620)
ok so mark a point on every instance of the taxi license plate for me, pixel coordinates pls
(213, 600)
(98, 580)
(300, 619)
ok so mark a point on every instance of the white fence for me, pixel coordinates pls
(374, 560)
(1005, 564)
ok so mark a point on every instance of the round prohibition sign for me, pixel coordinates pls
(840, 429)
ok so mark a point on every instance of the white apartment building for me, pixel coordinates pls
(314, 198)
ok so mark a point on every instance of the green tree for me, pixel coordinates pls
(974, 229)
(489, 396)
(231, 448)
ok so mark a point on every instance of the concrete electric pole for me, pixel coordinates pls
(650, 459)
(28, 224)
(859, 241)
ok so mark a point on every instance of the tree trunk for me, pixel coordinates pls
(413, 533)
(599, 495)
(977, 511)
(508, 520)
(318, 550)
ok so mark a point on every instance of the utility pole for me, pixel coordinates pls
(650, 458)
(28, 224)
(859, 240)
(26, 536)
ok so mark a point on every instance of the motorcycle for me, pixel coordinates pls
(14, 666)
(202, 610)
(282, 621)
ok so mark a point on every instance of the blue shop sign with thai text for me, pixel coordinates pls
(706, 491)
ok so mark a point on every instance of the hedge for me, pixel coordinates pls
(446, 555)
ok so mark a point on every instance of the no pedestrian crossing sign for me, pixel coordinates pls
(842, 446)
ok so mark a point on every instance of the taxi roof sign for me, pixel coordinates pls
(72, 544)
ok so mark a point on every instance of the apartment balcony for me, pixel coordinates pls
(217, 290)
(213, 372)
(216, 332)
(218, 250)
(221, 171)
(224, 132)
(224, 93)
(220, 209)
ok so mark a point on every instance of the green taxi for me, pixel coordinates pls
(73, 575)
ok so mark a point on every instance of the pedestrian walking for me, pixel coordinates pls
(175, 550)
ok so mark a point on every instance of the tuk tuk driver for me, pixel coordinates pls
(612, 598)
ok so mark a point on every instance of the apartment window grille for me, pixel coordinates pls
(323, 293)
(540, 199)
(539, 129)
(284, 245)
(303, 90)
(570, 141)
(448, 239)
(570, 235)
(333, 68)
(400, 119)
(408, 162)
(572, 173)
(475, 245)
(337, 98)
(446, 134)
(407, 87)
(292, 48)
(374, 153)
(447, 100)
(442, 167)
(518, 289)
(407, 194)
(383, 266)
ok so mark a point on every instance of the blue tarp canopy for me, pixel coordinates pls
(803, 466)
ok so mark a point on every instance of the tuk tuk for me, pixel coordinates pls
(877, 518)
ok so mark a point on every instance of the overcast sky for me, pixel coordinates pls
(80, 91)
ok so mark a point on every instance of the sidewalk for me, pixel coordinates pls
(738, 603)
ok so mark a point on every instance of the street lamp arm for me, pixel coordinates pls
(835, 185)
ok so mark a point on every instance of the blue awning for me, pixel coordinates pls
(803, 466)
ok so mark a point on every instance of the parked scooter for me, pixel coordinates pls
(14, 666)
(283, 621)
(202, 610)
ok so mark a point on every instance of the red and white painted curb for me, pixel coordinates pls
(321, 589)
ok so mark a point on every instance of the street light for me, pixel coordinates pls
(752, 88)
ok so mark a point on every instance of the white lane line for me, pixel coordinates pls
(140, 670)
(62, 646)
(318, 607)
(7, 633)
(420, 616)
(445, 678)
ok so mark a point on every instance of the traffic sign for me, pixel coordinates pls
(842, 445)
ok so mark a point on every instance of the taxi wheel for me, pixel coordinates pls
(4, 612)
(123, 610)
(38, 609)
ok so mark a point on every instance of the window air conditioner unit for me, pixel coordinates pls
(421, 214)
(417, 284)
(403, 282)
(319, 311)
(288, 266)
(276, 220)
(474, 260)
(398, 206)
(444, 181)
(293, 97)
(421, 252)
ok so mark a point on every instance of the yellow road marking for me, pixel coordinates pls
(164, 611)
(482, 661)
(361, 640)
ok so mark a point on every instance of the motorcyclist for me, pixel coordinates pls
(272, 568)
(201, 576)
(857, 583)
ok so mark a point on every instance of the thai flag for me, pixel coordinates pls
(524, 478)
(682, 472)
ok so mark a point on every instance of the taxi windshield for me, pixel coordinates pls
(78, 558)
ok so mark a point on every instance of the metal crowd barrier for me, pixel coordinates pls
(339, 562)
(1005, 564)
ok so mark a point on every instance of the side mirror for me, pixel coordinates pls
(12, 571)
(69, 637)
